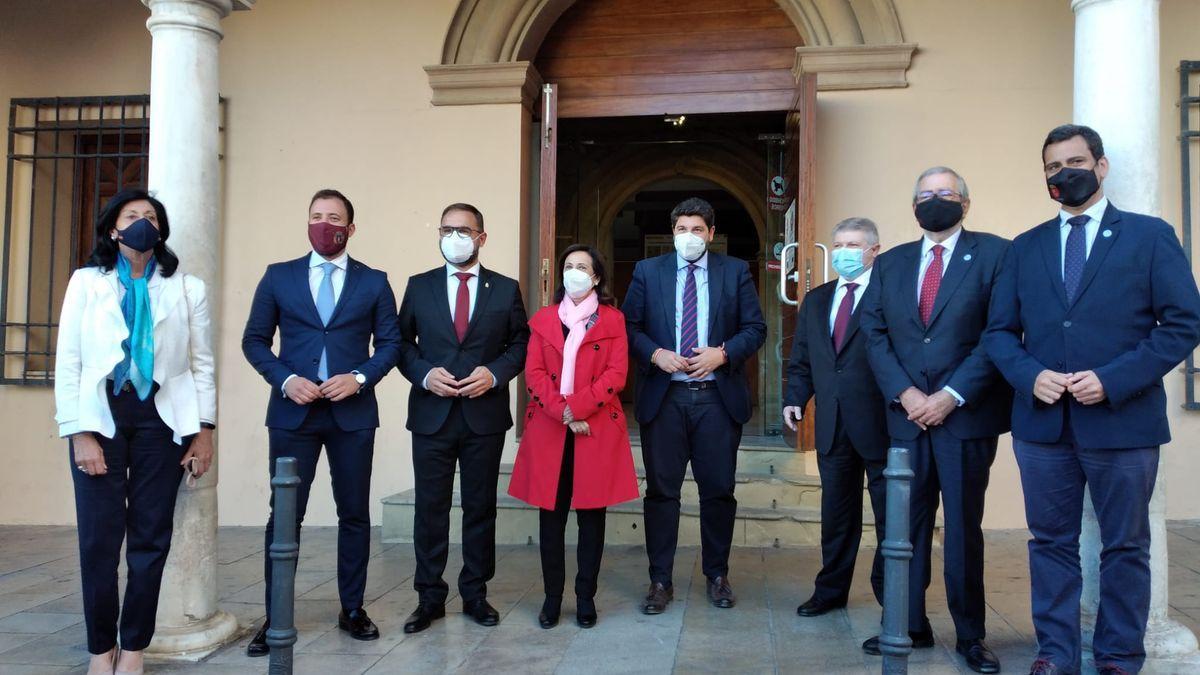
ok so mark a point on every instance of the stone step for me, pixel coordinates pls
(517, 523)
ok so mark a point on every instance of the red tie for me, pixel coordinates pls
(462, 305)
(842, 321)
(929, 287)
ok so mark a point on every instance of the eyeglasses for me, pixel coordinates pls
(445, 231)
(940, 194)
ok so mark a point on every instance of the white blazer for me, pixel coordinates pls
(90, 331)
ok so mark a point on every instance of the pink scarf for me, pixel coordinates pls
(574, 317)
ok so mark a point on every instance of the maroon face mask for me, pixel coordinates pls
(327, 238)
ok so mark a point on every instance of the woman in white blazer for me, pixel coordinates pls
(135, 395)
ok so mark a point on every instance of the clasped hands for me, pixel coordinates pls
(1085, 386)
(927, 410)
(304, 391)
(706, 360)
(442, 383)
(578, 427)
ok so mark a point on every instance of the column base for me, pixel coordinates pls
(193, 641)
(1171, 649)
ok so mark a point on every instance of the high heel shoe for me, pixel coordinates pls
(118, 671)
(551, 609)
(585, 612)
(112, 664)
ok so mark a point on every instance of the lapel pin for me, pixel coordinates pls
(1107, 233)
(967, 257)
(486, 285)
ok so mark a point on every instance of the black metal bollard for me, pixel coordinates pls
(894, 643)
(284, 551)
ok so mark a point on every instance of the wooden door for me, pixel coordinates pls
(547, 192)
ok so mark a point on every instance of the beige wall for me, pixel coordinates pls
(321, 98)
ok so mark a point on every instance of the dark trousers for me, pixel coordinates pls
(478, 460)
(958, 470)
(841, 517)
(1121, 483)
(552, 539)
(350, 455)
(135, 499)
(692, 425)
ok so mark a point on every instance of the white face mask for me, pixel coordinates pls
(690, 246)
(577, 283)
(457, 248)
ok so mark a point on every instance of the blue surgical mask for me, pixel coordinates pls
(848, 262)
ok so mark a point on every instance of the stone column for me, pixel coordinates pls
(184, 174)
(1117, 77)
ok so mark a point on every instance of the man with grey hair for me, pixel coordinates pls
(829, 362)
(924, 314)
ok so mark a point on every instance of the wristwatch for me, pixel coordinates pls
(359, 378)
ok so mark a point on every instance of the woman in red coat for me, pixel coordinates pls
(575, 448)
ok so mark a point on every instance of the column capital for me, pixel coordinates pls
(1077, 5)
(201, 15)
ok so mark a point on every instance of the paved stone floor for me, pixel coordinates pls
(41, 629)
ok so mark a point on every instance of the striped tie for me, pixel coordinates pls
(689, 338)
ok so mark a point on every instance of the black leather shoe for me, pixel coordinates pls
(258, 644)
(657, 598)
(920, 640)
(551, 608)
(424, 615)
(585, 612)
(817, 607)
(720, 593)
(358, 625)
(483, 613)
(979, 658)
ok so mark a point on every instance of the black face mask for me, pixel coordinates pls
(938, 215)
(140, 236)
(1073, 187)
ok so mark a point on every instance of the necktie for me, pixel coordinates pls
(842, 321)
(325, 305)
(462, 305)
(689, 338)
(931, 283)
(1074, 256)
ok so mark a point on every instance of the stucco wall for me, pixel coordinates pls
(336, 97)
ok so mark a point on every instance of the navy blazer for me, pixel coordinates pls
(1135, 317)
(842, 381)
(905, 353)
(735, 320)
(365, 311)
(497, 338)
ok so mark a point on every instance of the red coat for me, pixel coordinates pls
(604, 473)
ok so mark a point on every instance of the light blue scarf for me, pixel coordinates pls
(139, 346)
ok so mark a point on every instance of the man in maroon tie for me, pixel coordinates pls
(829, 362)
(924, 315)
(464, 333)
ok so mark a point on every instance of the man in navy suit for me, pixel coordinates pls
(327, 308)
(693, 320)
(1093, 308)
(829, 361)
(464, 333)
(925, 312)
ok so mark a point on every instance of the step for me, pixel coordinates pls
(517, 523)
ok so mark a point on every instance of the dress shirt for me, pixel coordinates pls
(316, 274)
(452, 283)
(927, 245)
(1095, 213)
(840, 293)
(701, 309)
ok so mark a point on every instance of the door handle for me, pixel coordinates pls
(786, 275)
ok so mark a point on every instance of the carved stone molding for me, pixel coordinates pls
(474, 84)
(856, 66)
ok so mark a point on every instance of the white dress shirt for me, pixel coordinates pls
(316, 274)
(948, 245)
(840, 293)
(452, 283)
(681, 273)
(1095, 213)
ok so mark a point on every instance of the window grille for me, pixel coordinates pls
(1189, 71)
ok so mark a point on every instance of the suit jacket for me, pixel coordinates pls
(90, 331)
(842, 381)
(496, 338)
(365, 312)
(905, 353)
(1136, 315)
(734, 319)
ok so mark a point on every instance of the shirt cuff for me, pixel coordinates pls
(495, 382)
(425, 381)
(283, 387)
(950, 390)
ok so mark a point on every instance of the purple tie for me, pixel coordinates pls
(1074, 256)
(689, 338)
(842, 321)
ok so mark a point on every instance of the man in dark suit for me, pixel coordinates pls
(1092, 309)
(327, 308)
(464, 333)
(925, 312)
(693, 319)
(829, 361)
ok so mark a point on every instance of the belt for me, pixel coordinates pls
(695, 386)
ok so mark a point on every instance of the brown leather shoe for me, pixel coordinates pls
(720, 593)
(657, 598)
